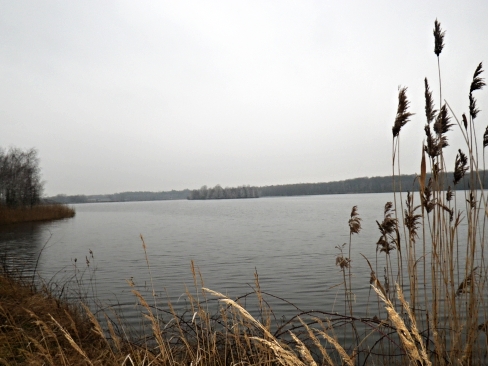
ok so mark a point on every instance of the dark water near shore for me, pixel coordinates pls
(290, 242)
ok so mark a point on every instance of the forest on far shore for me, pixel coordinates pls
(357, 185)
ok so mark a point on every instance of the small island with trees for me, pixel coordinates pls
(21, 189)
(217, 193)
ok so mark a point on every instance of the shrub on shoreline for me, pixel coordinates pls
(13, 215)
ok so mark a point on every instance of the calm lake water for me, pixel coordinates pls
(290, 242)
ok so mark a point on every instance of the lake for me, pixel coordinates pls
(291, 242)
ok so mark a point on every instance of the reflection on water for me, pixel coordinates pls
(21, 245)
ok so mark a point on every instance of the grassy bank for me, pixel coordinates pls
(35, 327)
(10, 215)
(40, 329)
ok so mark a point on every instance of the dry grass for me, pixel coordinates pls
(39, 329)
(35, 325)
(36, 213)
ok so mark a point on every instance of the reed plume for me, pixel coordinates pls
(442, 125)
(476, 84)
(449, 194)
(354, 221)
(438, 38)
(432, 148)
(430, 111)
(402, 116)
(342, 262)
(460, 166)
(411, 220)
(387, 227)
(485, 138)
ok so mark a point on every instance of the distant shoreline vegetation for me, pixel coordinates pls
(404, 183)
(21, 189)
(217, 193)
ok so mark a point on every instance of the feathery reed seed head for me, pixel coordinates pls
(449, 194)
(342, 262)
(476, 84)
(471, 200)
(442, 125)
(485, 138)
(438, 38)
(432, 148)
(402, 116)
(430, 111)
(426, 197)
(387, 228)
(354, 221)
(411, 219)
(460, 166)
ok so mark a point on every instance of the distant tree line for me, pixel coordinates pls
(20, 178)
(368, 185)
(218, 192)
(356, 185)
(122, 197)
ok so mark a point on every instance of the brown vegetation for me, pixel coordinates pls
(34, 325)
(12, 215)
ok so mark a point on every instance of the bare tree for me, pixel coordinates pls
(20, 178)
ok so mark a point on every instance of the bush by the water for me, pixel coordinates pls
(21, 189)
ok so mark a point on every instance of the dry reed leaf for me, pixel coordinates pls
(97, 328)
(303, 351)
(415, 331)
(141, 299)
(286, 358)
(115, 338)
(323, 351)
(72, 323)
(404, 334)
(373, 280)
(71, 341)
(42, 351)
(128, 358)
(345, 357)
(242, 311)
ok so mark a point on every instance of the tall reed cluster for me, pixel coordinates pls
(444, 240)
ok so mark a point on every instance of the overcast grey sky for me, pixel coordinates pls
(161, 95)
